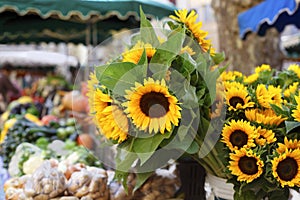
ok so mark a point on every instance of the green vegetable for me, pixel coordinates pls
(62, 133)
(42, 143)
(71, 122)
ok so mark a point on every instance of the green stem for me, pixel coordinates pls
(207, 167)
(212, 159)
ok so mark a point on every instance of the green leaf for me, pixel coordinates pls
(120, 76)
(193, 148)
(188, 63)
(218, 58)
(141, 178)
(166, 53)
(172, 25)
(109, 75)
(148, 34)
(190, 98)
(210, 80)
(122, 177)
(282, 194)
(178, 84)
(143, 60)
(125, 159)
(279, 111)
(202, 63)
(145, 147)
(246, 195)
(124, 162)
(291, 125)
(182, 132)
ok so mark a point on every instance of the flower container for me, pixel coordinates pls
(221, 190)
(192, 176)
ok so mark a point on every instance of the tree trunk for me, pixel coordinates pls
(244, 55)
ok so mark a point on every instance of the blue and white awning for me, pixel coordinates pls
(269, 13)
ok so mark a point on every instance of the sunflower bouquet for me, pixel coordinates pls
(152, 101)
(259, 147)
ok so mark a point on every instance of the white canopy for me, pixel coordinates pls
(37, 59)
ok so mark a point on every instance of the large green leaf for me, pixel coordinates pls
(147, 34)
(145, 147)
(178, 84)
(124, 162)
(190, 98)
(121, 76)
(125, 159)
(166, 53)
(185, 93)
(203, 63)
(110, 74)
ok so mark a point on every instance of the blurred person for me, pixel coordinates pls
(7, 88)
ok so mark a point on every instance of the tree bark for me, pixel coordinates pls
(244, 55)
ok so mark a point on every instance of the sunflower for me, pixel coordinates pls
(265, 136)
(111, 121)
(275, 94)
(251, 78)
(228, 85)
(295, 68)
(135, 53)
(291, 89)
(246, 165)
(265, 96)
(230, 75)
(265, 117)
(288, 144)
(92, 83)
(189, 20)
(286, 168)
(262, 68)
(238, 99)
(216, 109)
(188, 50)
(152, 107)
(217, 106)
(238, 134)
(296, 112)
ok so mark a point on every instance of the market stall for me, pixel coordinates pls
(37, 63)
(87, 22)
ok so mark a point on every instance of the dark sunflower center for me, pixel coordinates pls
(235, 100)
(238, 138)
(273, 98)
(287, 169)
(261, 137)
(154, 104)
(248, 165)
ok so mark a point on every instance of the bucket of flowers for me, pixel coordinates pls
(152, 102)
(259, 148)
